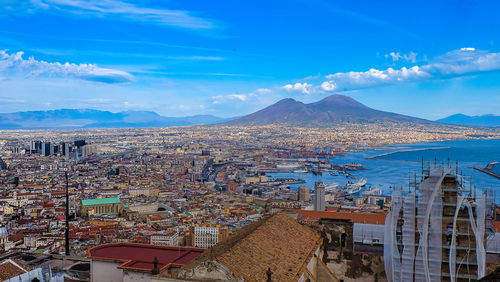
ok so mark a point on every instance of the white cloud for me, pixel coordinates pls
(328, 86)
(252, 97)
(121, 10)
(263, 90)
(373, 77)
(11, 100)
(465, 61)
(301, 87)
(226, 98)
(15, 64)
(462, 62)
(410, 57)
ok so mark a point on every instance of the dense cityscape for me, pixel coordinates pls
(197, 188)
(249, 141)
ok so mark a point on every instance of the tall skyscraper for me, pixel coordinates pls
(35, 147)
(65, 149)
(53, 150)
(45, 149)
(304, 194)
(3, 166)
(80, 143)
(319, 196)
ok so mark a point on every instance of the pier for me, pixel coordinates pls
(488, 169)
(404, 151)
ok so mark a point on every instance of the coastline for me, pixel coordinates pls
(386, 172)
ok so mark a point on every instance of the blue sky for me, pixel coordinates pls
(230, 58)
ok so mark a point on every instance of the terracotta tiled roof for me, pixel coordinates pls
(17, 237)
(279, 242)
(497, 226)
(356, 217)
(10, 268)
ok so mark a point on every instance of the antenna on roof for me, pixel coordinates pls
(409, 180)
(66, 231)
(415, 176)
(422, 166)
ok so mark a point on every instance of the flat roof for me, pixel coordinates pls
(140, 256)
(103, 201)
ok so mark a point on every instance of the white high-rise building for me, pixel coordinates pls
(319, 196)
(167, 239)
(205, 237)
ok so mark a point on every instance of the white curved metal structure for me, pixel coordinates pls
(423, 225)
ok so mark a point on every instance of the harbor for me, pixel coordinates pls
(399, 166)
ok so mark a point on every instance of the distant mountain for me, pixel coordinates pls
(87, 118)
(331, 110)
(461, 119)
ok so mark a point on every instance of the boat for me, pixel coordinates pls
(331, 186)
(355, 187)
(353, 166)
(353, 190)
(316, 172)
(375, 191)
(288, 166)
(360, 182)
(300, 171)
(334, 173)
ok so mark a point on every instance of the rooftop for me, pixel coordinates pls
(141, 256)
(279, 242)
(103, 201)
(10, 268)
(355, 217)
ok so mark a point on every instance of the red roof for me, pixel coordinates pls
(497, 226)
(356, 217)
(141, 256)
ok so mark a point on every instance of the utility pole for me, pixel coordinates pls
(66, 232)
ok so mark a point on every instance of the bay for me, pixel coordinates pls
(403, 161)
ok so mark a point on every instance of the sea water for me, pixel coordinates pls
(400, 165)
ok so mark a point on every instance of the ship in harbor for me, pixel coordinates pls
(354, 187)
(330, 187)
(348, 167)
(288, 166)
(373, 191)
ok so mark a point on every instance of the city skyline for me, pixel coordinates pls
(231, 59)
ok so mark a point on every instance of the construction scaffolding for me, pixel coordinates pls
(436, 231)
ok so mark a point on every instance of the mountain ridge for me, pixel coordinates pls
(488, 120)
(90, 118)
(331, 110)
